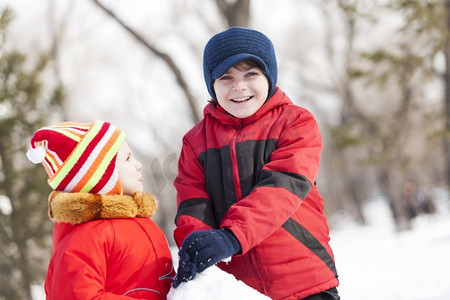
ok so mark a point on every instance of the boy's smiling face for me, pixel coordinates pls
(129, 171)
(242, 90)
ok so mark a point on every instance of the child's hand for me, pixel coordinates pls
(186, 271)
(202, 249)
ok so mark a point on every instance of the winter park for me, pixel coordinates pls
(350, 188)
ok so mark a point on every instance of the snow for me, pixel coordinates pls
(376, 262)
(213, 283)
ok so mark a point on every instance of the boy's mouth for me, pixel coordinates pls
(241, 99)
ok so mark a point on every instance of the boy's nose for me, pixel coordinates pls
(239, 85)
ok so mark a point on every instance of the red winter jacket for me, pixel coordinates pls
(256, 176)
(125, 257)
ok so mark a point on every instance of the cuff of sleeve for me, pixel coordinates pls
(233, 240)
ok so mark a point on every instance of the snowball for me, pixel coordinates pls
(213, 283)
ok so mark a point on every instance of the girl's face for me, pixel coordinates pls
(129, 171)
(242, 90)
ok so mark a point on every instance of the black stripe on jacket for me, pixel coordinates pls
(306, 238)
(199, 208)
(297, 184)
(219, 180)
(251, 158)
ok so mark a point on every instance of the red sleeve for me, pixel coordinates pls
(295, 161)
(194, 211)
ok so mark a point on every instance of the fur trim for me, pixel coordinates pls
(76, 208)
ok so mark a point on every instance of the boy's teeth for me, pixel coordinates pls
(240, 99)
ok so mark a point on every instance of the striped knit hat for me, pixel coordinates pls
(79, 157)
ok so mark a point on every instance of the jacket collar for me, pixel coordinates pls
(217, 112)
(76, 208)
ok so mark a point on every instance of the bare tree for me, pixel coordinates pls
(395, 71)
(366, 140)
(350, 115)
(165, 57)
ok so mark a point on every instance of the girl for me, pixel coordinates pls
(105, 246)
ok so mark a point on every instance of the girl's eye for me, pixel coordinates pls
(128, 157)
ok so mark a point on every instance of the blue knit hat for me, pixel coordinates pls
(234, 45)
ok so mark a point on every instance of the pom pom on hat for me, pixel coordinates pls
(234, 45)
(79, 157)
(36, 155)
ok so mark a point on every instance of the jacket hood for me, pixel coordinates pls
(77, 208)
(217, 112)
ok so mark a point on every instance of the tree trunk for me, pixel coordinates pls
(237, 13)
(391, 181)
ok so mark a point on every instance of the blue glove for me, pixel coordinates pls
(203, 249)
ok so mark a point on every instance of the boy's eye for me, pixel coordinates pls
(253, 72)
(225, 77)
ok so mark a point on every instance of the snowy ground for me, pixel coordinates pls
(374, 262)
(377, 263)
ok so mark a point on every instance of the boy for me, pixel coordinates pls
(104, 244)
(246, 179)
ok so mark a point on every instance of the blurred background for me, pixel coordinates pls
(376, 74)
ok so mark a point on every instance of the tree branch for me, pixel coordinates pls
(166, 58)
